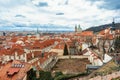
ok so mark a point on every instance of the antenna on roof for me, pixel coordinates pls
(113, 23)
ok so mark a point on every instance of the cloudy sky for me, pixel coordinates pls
(29, 14)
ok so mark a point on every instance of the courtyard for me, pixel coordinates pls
(71, 66)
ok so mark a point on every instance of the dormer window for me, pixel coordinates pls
(17, 65)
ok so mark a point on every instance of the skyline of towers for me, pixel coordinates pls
(78, 28)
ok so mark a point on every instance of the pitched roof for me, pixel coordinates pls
(10, 72)
(85, 33)
(29, 56)
(59, 46)
(105, 31)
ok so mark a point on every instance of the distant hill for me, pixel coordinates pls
(101, 27)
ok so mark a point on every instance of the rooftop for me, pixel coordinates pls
(14, 70)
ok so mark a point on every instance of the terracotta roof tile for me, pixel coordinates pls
(37, 53)
(29, 56)
(20, 72)
(59, 46)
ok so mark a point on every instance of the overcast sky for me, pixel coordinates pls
(87, 13)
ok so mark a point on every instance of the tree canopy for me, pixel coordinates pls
(117, 45)
(65, 50)
(31, 74)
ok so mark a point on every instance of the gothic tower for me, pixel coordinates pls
(79, 28)
(75, 28)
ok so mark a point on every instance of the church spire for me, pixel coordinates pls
(79, 28)
(75, 28)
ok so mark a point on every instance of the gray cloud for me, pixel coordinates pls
(42, 4)
(24, 13)
(60, 13)
(66, 2)
(111, 4)
(19, 15)
(108, 4)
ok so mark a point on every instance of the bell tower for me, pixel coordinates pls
(79, 28)
(75, 28)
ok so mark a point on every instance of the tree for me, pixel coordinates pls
(117, 45)
(103, 47)
(89, 41)
(45, 75)
(65, 50)
(58, 74)
(31, 74)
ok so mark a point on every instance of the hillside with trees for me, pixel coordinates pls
(102, 27)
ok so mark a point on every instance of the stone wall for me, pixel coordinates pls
(73, 56)
(106, 77)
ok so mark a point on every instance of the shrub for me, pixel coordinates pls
(66, 77)
(31, 75)
(45, 75)
(58, 74)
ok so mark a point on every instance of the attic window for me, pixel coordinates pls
(17, 65)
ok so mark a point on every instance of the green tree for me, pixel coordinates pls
(31, 74)
(45, 75)
(58, 74)
(117, 45)
(65, 50)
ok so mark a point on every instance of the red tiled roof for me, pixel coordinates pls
(44, 44)
(105, 31)
(14, 39)
(4, 52)
(21, 73)
(37, 53)
(29, 56)
(42, 60)
(85, 33)
(17, 48)
(110, 37)
(12, 70)
(59, 46)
